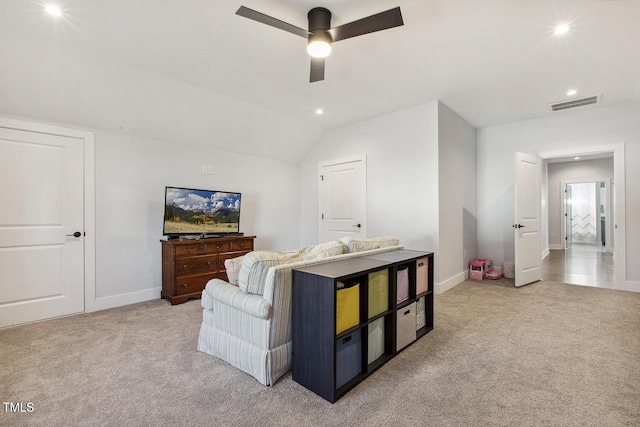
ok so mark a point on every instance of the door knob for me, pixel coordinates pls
(518, 226)
(76, 234)
(358, 225)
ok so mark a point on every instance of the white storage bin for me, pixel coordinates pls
(376, 340)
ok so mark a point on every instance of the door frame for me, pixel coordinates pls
(619, 191)
(88, 139)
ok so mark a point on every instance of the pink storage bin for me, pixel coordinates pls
(403, 285)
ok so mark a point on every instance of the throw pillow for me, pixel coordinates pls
(233, 269)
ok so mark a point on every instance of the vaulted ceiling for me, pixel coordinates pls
(491, 61)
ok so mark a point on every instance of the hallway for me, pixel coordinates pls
(583, 264)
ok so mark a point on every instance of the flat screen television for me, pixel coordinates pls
(188, 211)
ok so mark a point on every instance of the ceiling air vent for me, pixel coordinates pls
(573, 103)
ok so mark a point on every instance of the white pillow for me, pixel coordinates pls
(368, 243)
(232, 266)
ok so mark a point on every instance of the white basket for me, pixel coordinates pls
(508, 270)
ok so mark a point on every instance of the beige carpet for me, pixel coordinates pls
(545, 354)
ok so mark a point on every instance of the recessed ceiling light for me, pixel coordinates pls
(561, 29)
(571, 92)
(53, 10)
(319, 111)
(576, 158)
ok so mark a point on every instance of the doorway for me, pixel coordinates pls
(583, 251)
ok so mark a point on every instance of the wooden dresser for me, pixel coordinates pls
(187, 265)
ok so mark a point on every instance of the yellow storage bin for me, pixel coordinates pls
(378, 292)
(347, 308)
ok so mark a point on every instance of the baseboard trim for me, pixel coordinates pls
(451, 282)
(630, 286)
(126, 299)
(556, 247)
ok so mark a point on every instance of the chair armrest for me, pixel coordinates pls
(235, 297)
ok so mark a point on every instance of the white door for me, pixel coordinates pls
(41, 261)
(528, 214)
(343, 199)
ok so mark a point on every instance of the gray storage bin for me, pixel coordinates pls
(348, 357)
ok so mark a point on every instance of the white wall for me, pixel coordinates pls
(131, 173)
(457, 197)
(579, 171)
(420, 183)
(153, 131)
(54, 83)
(402, 175)
(596, 126)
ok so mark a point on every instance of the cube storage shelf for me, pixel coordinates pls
(347, 321)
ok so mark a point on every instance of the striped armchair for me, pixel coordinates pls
(249, 325)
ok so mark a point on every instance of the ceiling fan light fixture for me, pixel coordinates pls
(319, 46)
(53, 10)
(320, 35)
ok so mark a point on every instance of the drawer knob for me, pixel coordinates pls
(208, 262)
(185, 266)
(185, 285)
(218, 247)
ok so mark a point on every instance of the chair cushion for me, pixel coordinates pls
(256, 264)
(233, 269)
(366, 244)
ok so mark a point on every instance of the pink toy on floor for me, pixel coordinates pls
(493, 275)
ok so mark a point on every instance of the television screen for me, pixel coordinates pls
(191, 211)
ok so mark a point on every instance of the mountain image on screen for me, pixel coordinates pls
(190, 211)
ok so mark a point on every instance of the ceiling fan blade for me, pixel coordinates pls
(380, 21)
(317, 70)
(271, 21)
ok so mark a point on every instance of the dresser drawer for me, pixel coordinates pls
(242, 245)
(188, 284)
(196, 264)
(214, 248)
(193, 249)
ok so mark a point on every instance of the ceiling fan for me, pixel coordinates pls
(320, 35)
